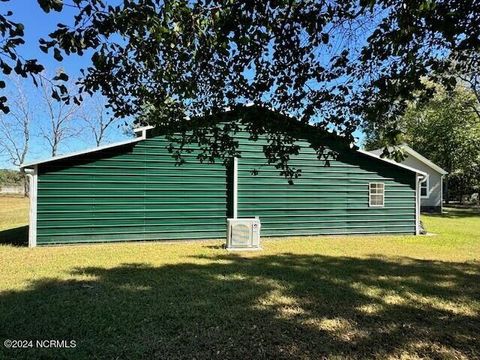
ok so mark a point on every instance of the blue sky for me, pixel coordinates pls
(37, 25)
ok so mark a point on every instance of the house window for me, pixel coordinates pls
(424, 188)
(376, 194)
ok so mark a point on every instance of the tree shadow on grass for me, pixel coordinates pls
(16, 236)
(228, 306)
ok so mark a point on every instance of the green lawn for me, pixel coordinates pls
(338, 297)
(13, 212)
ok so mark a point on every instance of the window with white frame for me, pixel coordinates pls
(424, 188)
(376, 194)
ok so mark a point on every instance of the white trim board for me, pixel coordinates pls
(143, 130)
(104, 147)
(417, 156)
(423, 159)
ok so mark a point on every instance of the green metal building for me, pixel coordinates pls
(135, 190)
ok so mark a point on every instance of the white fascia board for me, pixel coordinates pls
(393, 162)
(66, 156)
(416, 155)
(377, 152)
(423, 159)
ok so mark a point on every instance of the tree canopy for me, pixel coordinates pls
(333, 63)
(11, 37)
(445, 129)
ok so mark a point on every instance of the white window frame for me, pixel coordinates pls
(427, 183)
(370, 194)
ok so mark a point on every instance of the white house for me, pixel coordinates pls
(432, 187)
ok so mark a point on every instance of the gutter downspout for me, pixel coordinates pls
(419, 179)
(441, 194)
(235, 187)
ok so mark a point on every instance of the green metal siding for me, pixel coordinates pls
(134, 192)
(325, 199)
(137, 192)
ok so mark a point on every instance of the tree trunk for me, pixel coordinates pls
(54, 148)
(26, 184)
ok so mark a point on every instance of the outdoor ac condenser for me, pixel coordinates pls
(243, 234)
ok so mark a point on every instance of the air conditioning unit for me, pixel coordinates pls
(243, 234)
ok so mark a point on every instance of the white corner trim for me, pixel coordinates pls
(235, 187)
(32, 221)
(392, 162)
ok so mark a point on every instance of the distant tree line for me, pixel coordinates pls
(11, 178)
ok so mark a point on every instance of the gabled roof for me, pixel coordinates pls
(141, 130)
(417, 156)
(423, 159)
(392, 162)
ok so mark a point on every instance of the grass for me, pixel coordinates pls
(399, 297)
(13, 220)
(13, 212)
